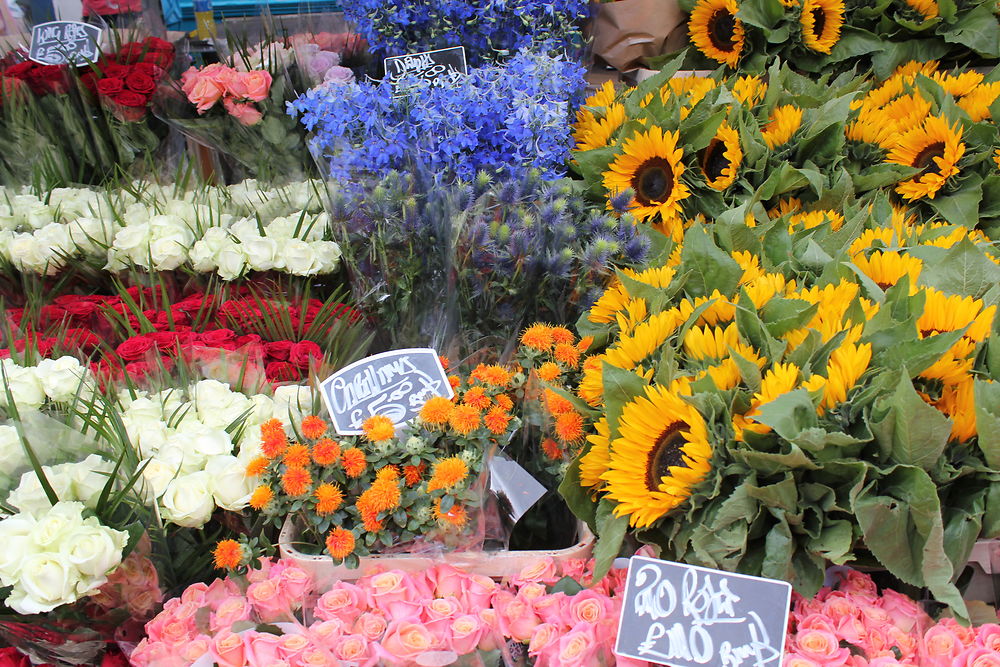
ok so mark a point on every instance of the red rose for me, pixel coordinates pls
(20, 70)
(135, 348)
(157, 44)
(114, 658)
(11, 657)
(80, 339)
(281, 371)
(15, 315)
(110, 85)
(130, 99)
(46, 79)
(140, 83)
(279, 350)
(81, 310)
(89, 81)
(249, 339)
(302, 353)
(114, 70)
(42, 345)
(11, 87)
(217, 338)
(154, 72)
(127, 106)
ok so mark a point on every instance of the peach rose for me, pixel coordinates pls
(256, 84)
(821, 646)
(291, 646)
(267, 599)
(227, 649)
(464, 634)
(195, 648)
(343, 601)
(407, 641)
(587, 606)
(542, 637)
(576, 647)
(352, 648)
(940, 645)
(229, 611)
(543, 570)
(371, 626)
(245, 114)
(441, 608)
(315, 657)
(204, 93)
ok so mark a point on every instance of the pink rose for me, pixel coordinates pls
(940, 645)
(588, 606)
(576, 647)
(195, 593)
(965, 634)
(492, 638)
(465, 633)
(204, 93)
(904, 612)
(977, 656)
(439, 608)
(407, 641)
(576, 568)
(325, 632)
(904, 641)
(886, 661)
(261, 648)
(229, 611)
(354, 649)
(227, 649)
(267, 599)
(988, 636)
(543, 570)
(295, 584)
(371, 625)
(839, 605)
(551, 608)
(517, 618)
(256, 83)
(317, 64)
(821, 646)
(195, 648)
(392, 586)
(815, 622)
(291, 646)
(314, 657)
(473, 590)
(858, 584)
(796, 660)
(343, 601)
(543, 637)
(245, 114)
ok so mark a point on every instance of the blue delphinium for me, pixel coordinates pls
(490, 30)
(502, 119)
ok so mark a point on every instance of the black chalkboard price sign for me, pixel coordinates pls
(65, 42)
(440, 67)
(686, 616)
(395, 384)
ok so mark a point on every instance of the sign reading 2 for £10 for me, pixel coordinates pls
(395, 384)
(440, 67)
(65, 42)
(687, 616)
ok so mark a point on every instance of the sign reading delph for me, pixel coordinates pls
(65, 42)
(439, 67)
(395, 384)
(687, 616)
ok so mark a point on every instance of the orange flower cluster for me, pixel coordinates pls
(479, 406)
(447, 474)
(228, 555)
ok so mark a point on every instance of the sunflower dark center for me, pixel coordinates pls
(925, 158)
(653, 181)
(819, 21)
(722, 31)
(666, 453)
(714, 162)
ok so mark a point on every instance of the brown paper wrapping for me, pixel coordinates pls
(629, 30)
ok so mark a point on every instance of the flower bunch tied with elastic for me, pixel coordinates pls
(837, 35)
(418, 486)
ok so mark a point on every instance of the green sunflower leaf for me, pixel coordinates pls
(964, 270)
(611, 531)
(907, 429)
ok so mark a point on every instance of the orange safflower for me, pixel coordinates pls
(378, 428)
(326, 452)
(556, 404)
(313, 427)
(296, 481)
(477, 398)
(447, 474)
(340, 543)
(567, 354)
(504, 401)
(389, 473)
(261, 496)
(553, 451)
(496, 421)
(436, 411)
(548, 371)
(454, 381)
(329, 498)
(273, 444)
(585, 343)
(413, 474)
(354, 463)
(464, 419)
(296, 456)
(257, 466)
(569, 427)
(456, 516)
(495, 376)
(538, 337)
(562, 336)
(381, 496)
(444, 362)
(272, 427)
(228, 555)
(371, 522)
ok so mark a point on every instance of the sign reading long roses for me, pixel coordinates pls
(65, 42)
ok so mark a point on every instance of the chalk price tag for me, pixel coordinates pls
(395, 384)
(65, 42)
(440, 67)
(688, 616)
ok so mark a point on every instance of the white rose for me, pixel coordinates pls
(54, 525)
(262, 253)
(245, 229)
(146, 434)
(11, 452)
(299, 258)
(145, 408)
(137, 214)
(29, 496)
(328, 254)
(24, 386)
(55, 236)
(292, 402)
(60, 378)
(14, 535)
(27, 254)
(231, 260)
(38, 215)
(94, 550)
(6, 238)
(157, 474)
(281, 229)
(91, 235)
(47, 581)
(263, 409)
(133, 238)
(168, 253)
(230, 485)
(188, 501)
(204, 250)
(217, 405)
(88, 479)
(195, 448)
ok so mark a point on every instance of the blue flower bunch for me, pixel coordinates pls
(490, 30)
(504, 119)
(479, 258)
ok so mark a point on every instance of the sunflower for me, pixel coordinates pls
(710, 343)
(996, 157)
(599, 131)
(749, 90)
(721, 159)
(661, 454)
(594, 463)
(977, 103)
(944, 312)
(715, 30)
(934, 147)
(926, 8)
(651, 166)
(765, 287)
(847, 363)
(780, 379)
(958, 402)
(886, 268)
(958, 85)
(821, 21)
(604, 96)
(784, 122)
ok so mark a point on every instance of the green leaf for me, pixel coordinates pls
(882, 175)
(835, 542)
(789, 414)
(783, 315)
(909, 430)
(964, 270)
(711, 267)
(567, 585)
(987, 398)
(578, 498)
(855, 42)
(785, 178)
(977, 30)
(961, 207)
(918, 354)
(763, 14)
(610, 536)
(620, 386)
(593, 163)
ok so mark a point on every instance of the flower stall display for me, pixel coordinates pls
(822, 36)
(490, 32)
(500, 118)
(440, 616)
(85, 124)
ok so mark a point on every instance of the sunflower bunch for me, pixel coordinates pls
(824, 35)
(811, 389)
(356, 495)
(673, 150)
